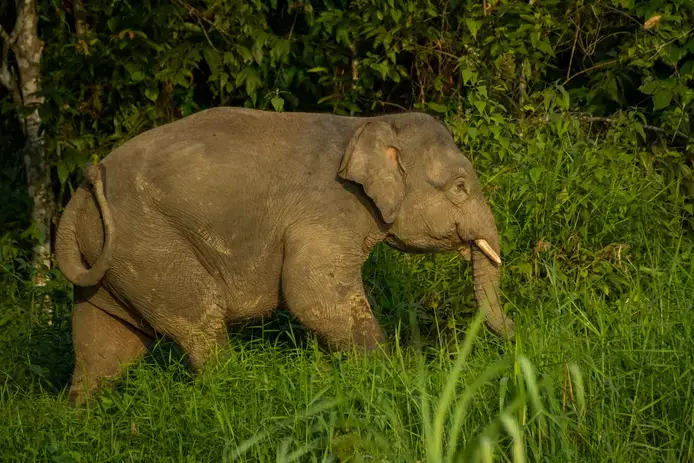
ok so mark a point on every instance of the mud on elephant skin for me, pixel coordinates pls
(202, 223)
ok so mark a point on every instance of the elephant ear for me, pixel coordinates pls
(371, 159)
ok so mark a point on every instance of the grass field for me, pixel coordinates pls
(599, 266)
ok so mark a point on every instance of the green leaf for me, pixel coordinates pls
(342, 36)
(229, 58)
(137, 76)
(566, 100)
(277, 103)
(327, 98)
(382, 68)
(535, 38)
(245, 53)
(639, 128)
(152, 93)
(673, 54)
(283, 47)
(393, 74)
(241, 76)
(525, 269)
(545, 46)
(649, 87)
(182, 79)
(63, 171)
(535, 173)
(612, 90)
(252, 82)
(288, 75)
(474, 26)
(212, 58)
(439, 108)
(318, 69)
(257, 50)
(467, 75)
(112, 23)
(661, 99)
(687, 69)
(549, 96)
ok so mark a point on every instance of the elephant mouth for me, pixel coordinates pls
(483, 246)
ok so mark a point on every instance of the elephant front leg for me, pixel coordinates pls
(324, 290)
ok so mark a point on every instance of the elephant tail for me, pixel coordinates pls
(67, 252)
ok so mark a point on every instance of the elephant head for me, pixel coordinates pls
(429, 198)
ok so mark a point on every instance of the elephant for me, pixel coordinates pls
(222, 216)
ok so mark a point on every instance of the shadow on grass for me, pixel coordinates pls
(39, 358)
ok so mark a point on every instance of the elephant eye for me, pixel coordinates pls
(457, 191)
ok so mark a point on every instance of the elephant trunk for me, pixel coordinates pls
(486, 280)
(486, 262)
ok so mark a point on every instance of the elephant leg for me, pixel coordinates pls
(192, 317)
(103, 345)
(203, 342)
(323, 288)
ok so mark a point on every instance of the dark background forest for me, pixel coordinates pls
(578, 117)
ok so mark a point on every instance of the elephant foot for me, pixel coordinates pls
(502, 326)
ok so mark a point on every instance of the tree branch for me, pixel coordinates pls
(582, 117)
(8, 78)
(592, 68)
(573, 48)
(4, 35)
(652, 128)
(195, 13)
(11, 38)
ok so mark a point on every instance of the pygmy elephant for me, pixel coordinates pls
(214, 219)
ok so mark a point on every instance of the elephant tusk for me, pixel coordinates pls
(488, 251)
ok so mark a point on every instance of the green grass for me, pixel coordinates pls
(599, 273)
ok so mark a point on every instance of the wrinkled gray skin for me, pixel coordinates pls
(211, 220)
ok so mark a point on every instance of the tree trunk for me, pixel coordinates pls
(24, 87)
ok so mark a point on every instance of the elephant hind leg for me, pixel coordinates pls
(203, 342)
(103, 345)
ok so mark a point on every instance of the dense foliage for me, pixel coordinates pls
(577, 116)
(148, 63)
